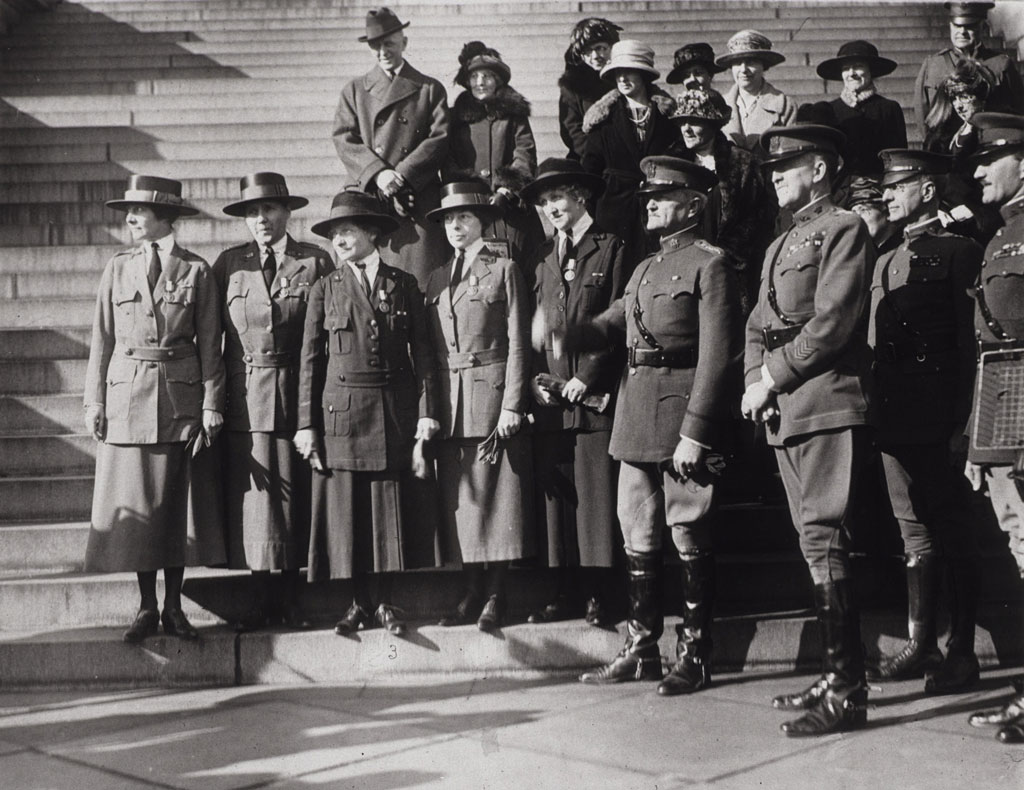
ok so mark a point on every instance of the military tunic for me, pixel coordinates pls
(921, 329)
(267, 484)
(154, 365)
(366, 376)
(574, 472)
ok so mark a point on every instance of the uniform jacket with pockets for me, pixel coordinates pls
(150, 401)
(488, 316)
(263, 332)
(367, 369)
(822, 276)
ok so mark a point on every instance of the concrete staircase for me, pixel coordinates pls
(205, 92)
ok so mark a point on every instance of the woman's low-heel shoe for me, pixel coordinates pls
(351, 620)
(146, 623)
(490, 617)
(462, 614)
(387, 617)
(176, 624)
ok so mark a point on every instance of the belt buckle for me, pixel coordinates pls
(631, 356)
(766, 337)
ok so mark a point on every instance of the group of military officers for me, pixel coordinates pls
(841, 354)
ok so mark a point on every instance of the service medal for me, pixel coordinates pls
(284, 282)
(169, 285)
(382, 297)
(570, 270)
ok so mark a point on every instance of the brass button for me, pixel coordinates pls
(373, 363)
(170, 352)
(129, 352)
(248, 357)
(151, 365)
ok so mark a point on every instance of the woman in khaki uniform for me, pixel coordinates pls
(154, 393)
(477, 316)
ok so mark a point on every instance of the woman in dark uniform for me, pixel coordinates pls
(477, 316)
(264, 285)
(579, 273)
(366, 393)
(154, 393)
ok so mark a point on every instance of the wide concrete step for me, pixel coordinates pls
(41, 376)
(44, 312)
(50, 343)
(37, 286)
(64, 498)
(67, 454)
(40, 414)
(57, 548)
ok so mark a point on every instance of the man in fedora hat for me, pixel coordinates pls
(966, 22)
(693, 66)
(807, 366)
(264, 287)
(578, 273)
(999, 328)
(391, 132)
(680, 320)
(922, 333)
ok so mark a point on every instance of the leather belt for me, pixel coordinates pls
(651, 358)
(373, 378)
(462, 360)
(999, 345)
(158, 354)
(915, 349)
(271, 359)
(777, 338)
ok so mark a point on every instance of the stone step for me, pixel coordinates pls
(62, 498)
(25, 456)
(59, 548)
(263, 148)
(41, 376)
(49, 343)
(24, 313)
(40, 414)
(36, 286)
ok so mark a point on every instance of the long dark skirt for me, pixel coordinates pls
(359, 523)
(142, 509)
(576, 481)
(267, 493)
(487, 509)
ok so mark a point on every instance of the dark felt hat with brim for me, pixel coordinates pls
(261, 188)
(968, 13)
(903, 164)
(998, 133)
(699, 54)
(356, 206)
(783, 143)
(472, 195)
(832, 69)
(554, 172)
(155, 192)
(666, 173)
(381, 22)
(750, 45)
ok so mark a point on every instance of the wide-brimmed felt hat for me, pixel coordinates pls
(998, 133)
(474, 195)
(665, 173)
(261, 187)
(699, 54)
(968, 13)
(750, 45)
(381, 22)
(788, 142)
(554, 172)
(153, 191)
(832, 69)
(631, 54)
(903, 164)
(701, 104)
(476, 55)
(352, 204)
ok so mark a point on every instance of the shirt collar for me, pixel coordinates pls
(471, 252)
(372, 263)
(164, 245)
(813, 209)
(576, 231)
(279, 248)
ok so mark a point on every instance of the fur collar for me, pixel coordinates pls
(507, 103)
(601, 110)
(584, 81)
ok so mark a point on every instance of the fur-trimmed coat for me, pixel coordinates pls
(579, 87)
(613, 152)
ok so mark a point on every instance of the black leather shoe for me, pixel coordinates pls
(997, 717)
(293, 617)
(558, 609)
(461, 614)
(802, 700)
(626, 666)
(490, 616)
(914, 660)
(146, 623)
(351, 620)
(176, 624)
(596, 615)
(957, 673)
(1012, 733)
(838, 710)
(387, 617)
(687, 676)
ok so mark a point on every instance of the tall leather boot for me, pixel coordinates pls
(639, 658)
(842, 704)
(693, 635)
(921, 652)
(960, 670)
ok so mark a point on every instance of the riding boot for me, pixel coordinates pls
(960, 671)
(691, 671)
(639, 658)
(842, 704)
(920, 654)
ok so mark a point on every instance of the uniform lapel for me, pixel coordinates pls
(291, 268)
(478, 270)
(355, 290)
(137, 276)
(170, 273)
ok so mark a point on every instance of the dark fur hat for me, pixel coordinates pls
(587, 32)
(477, 55)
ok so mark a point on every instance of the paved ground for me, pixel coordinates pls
(489, 734)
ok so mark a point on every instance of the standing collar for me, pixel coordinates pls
(576, 231)
(165, 245)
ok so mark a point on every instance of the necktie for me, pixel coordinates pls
(460, 256)
(153, 272)
(568, 251)
(363, 281)
(270, 268)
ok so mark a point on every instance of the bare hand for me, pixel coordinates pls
(96, 421)
(574, 390)
(389, 182)
(688, 458)
(212, 422)
(541, 395)
(975, 474)
(758, 403)
(427, 428)
(538, 331)
(509, 423)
